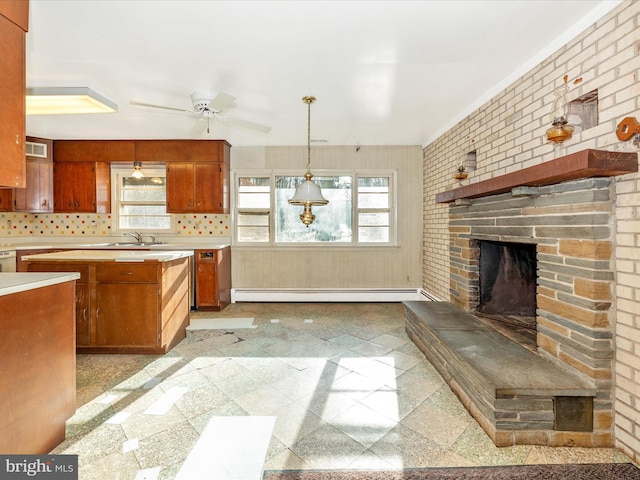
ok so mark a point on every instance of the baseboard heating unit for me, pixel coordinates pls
(324, 295)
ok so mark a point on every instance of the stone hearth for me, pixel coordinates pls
(570, 225)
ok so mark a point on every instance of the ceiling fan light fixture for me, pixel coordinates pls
(137, 170)
(308, 193)
(66, 100)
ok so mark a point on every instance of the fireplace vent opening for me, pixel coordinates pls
(507, 289)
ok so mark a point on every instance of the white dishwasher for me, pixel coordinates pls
(7, 259)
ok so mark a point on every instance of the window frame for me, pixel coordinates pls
(355, 175)
(119, 171)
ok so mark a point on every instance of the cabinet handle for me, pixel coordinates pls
(97, 313)
(126, 273)
(84, 313)
(75, 203)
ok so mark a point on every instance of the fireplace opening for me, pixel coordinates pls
(507, 289)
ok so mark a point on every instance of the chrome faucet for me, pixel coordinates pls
(135, 235)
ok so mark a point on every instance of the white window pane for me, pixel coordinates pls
(373, 200)
(373, 192)
(141, 202)
(373, 234)
(253, 227)
(373, 219)
(148, 222)
(254, 192)
(333, 221)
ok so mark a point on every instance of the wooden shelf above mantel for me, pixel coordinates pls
(583, 164)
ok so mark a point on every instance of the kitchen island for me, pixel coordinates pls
(127, 301)
(37, 348)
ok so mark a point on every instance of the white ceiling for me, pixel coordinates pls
(384, 72)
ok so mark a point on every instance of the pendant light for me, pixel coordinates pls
(137, 170)
(308, 193)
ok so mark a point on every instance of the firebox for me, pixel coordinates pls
(507, 289)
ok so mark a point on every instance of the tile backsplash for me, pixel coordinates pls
(18, 224)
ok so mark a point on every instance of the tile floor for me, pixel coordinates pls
(341, 386)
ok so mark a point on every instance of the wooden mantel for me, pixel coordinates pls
(583, 164)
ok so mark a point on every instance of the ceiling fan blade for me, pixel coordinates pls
(139, 104)
(238, 122)
(221, 101)
(198, 127)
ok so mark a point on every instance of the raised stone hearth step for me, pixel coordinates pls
(517, 396)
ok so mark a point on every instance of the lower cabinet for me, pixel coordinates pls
(127, 307)
(213, 278)
(124, 306)
(38, 372)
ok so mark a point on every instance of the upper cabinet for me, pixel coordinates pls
(200, 185)
(6, 195)
(14, 17)
(194, 187)
(37, 196)
(197, 171)
(82, 187)
(94, 150)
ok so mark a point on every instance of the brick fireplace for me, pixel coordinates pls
(563, 210)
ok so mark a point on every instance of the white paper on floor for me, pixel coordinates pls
(230, 448)
(220, 323)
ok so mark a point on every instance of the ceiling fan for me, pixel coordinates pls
(208, 107)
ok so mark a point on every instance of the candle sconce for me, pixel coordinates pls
(461, 173)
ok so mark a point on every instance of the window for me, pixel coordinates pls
(140, 203)
(253, 202)
(360, 209)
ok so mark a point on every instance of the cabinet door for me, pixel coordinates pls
(83, 314)
(75, 187)
(208, 197)
(206, 279)
(63, 184)
(38, 194)
(84, 187)
(180, 189)
(127, 314)
(5, 199)
(12, 91)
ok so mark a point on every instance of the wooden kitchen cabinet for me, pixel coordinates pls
(81, 187)
(21, 265)
(213, 278)
(38, 374)
(94, 150)
(126, 306)
(6, 199)
(37, 196)
(197, 187)
(13, 25)
(126, 296)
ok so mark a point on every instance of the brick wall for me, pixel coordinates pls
(507, 134)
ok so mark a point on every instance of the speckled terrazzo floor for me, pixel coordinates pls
(345, 387)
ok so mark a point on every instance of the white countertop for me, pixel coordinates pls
(112, 255)
(20, 282)
(110, 246)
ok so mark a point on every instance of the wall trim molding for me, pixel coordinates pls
(324, 295)
(428, 297)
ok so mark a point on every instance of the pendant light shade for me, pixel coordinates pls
(137, 170)
(308, 193)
